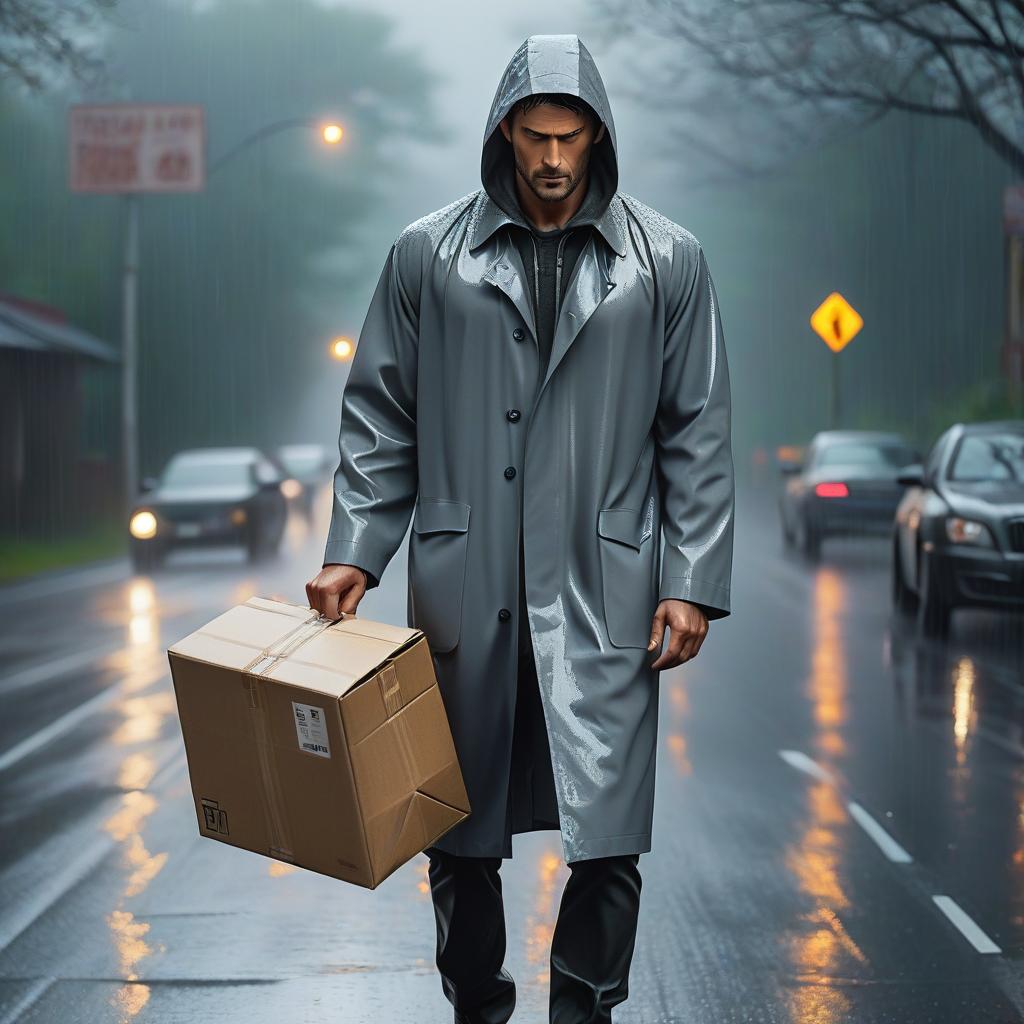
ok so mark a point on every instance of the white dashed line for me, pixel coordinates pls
(965, 925)
(802, 763)
(883, 840)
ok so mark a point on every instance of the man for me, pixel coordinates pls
(541, 386)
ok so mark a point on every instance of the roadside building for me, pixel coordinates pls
(56, 383)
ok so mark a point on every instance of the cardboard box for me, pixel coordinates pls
(322, 744)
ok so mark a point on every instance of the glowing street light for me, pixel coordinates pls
(331, 133)
(342, 349)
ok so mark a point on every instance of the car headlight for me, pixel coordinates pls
(238, 516)
(291, 488)
(142, 525)
(968, 531)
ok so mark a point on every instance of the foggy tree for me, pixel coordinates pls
(782, 74)
(243, 285)
(42, 39)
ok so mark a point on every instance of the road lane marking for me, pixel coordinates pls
(32, 996)
(53, 888)
(61, 583)
(58, 727)
(802, 763)
(883, 840)
(42, 896)
(93, 657)
(27, 677)
(965, 924)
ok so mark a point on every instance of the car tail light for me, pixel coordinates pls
(831, 490)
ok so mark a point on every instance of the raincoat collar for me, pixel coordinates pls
(488, 217)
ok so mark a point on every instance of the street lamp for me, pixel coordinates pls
(331, 133)
(342, 349)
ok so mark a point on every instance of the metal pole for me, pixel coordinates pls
(129, 355)
(835, 390)
(1013, 351)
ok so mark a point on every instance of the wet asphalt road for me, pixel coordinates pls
(839, 831)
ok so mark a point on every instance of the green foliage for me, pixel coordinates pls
(21, 557)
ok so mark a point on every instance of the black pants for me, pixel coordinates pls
(591, 947)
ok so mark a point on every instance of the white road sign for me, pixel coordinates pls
(136, 147)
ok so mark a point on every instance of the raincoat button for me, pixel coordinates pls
(510, 471)
(519, 334)
(504, 615)
(513, 415)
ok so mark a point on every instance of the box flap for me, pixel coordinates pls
(398, 834)
(299, 647)
(397, 636)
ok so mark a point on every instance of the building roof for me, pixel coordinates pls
(36, 328)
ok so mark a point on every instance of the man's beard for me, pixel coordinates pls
(570, 183)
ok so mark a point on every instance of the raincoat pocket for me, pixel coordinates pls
(628, 577)
(437, 570)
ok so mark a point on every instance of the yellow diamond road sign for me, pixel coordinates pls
(836, 321)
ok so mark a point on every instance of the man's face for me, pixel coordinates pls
(552, 148)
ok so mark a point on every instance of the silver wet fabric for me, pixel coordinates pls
(623, 484)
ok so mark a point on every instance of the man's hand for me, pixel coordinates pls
(689, 626)
(336, 589)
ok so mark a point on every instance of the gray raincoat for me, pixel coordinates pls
(618, 471)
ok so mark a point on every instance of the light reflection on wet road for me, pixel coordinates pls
(770, 894)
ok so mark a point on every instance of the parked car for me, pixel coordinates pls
(958, 536)
(309, 467)
(846, 484)
(210, 496)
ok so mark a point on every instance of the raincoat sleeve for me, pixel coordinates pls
(376, 480)
(693, 437)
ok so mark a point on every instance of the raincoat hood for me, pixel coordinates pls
(550, 64)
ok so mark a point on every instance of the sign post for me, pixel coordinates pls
(1013, 341)
(837, 323)
(127, 149)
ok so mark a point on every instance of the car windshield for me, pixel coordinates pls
(188, 472)
(865, 453)
(996, 456)
(302, 462)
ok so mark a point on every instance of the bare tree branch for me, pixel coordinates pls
(838, 59)
(42, 39)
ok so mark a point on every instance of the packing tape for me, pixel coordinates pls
(286, 645)
(272, 797)
(391, 692)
